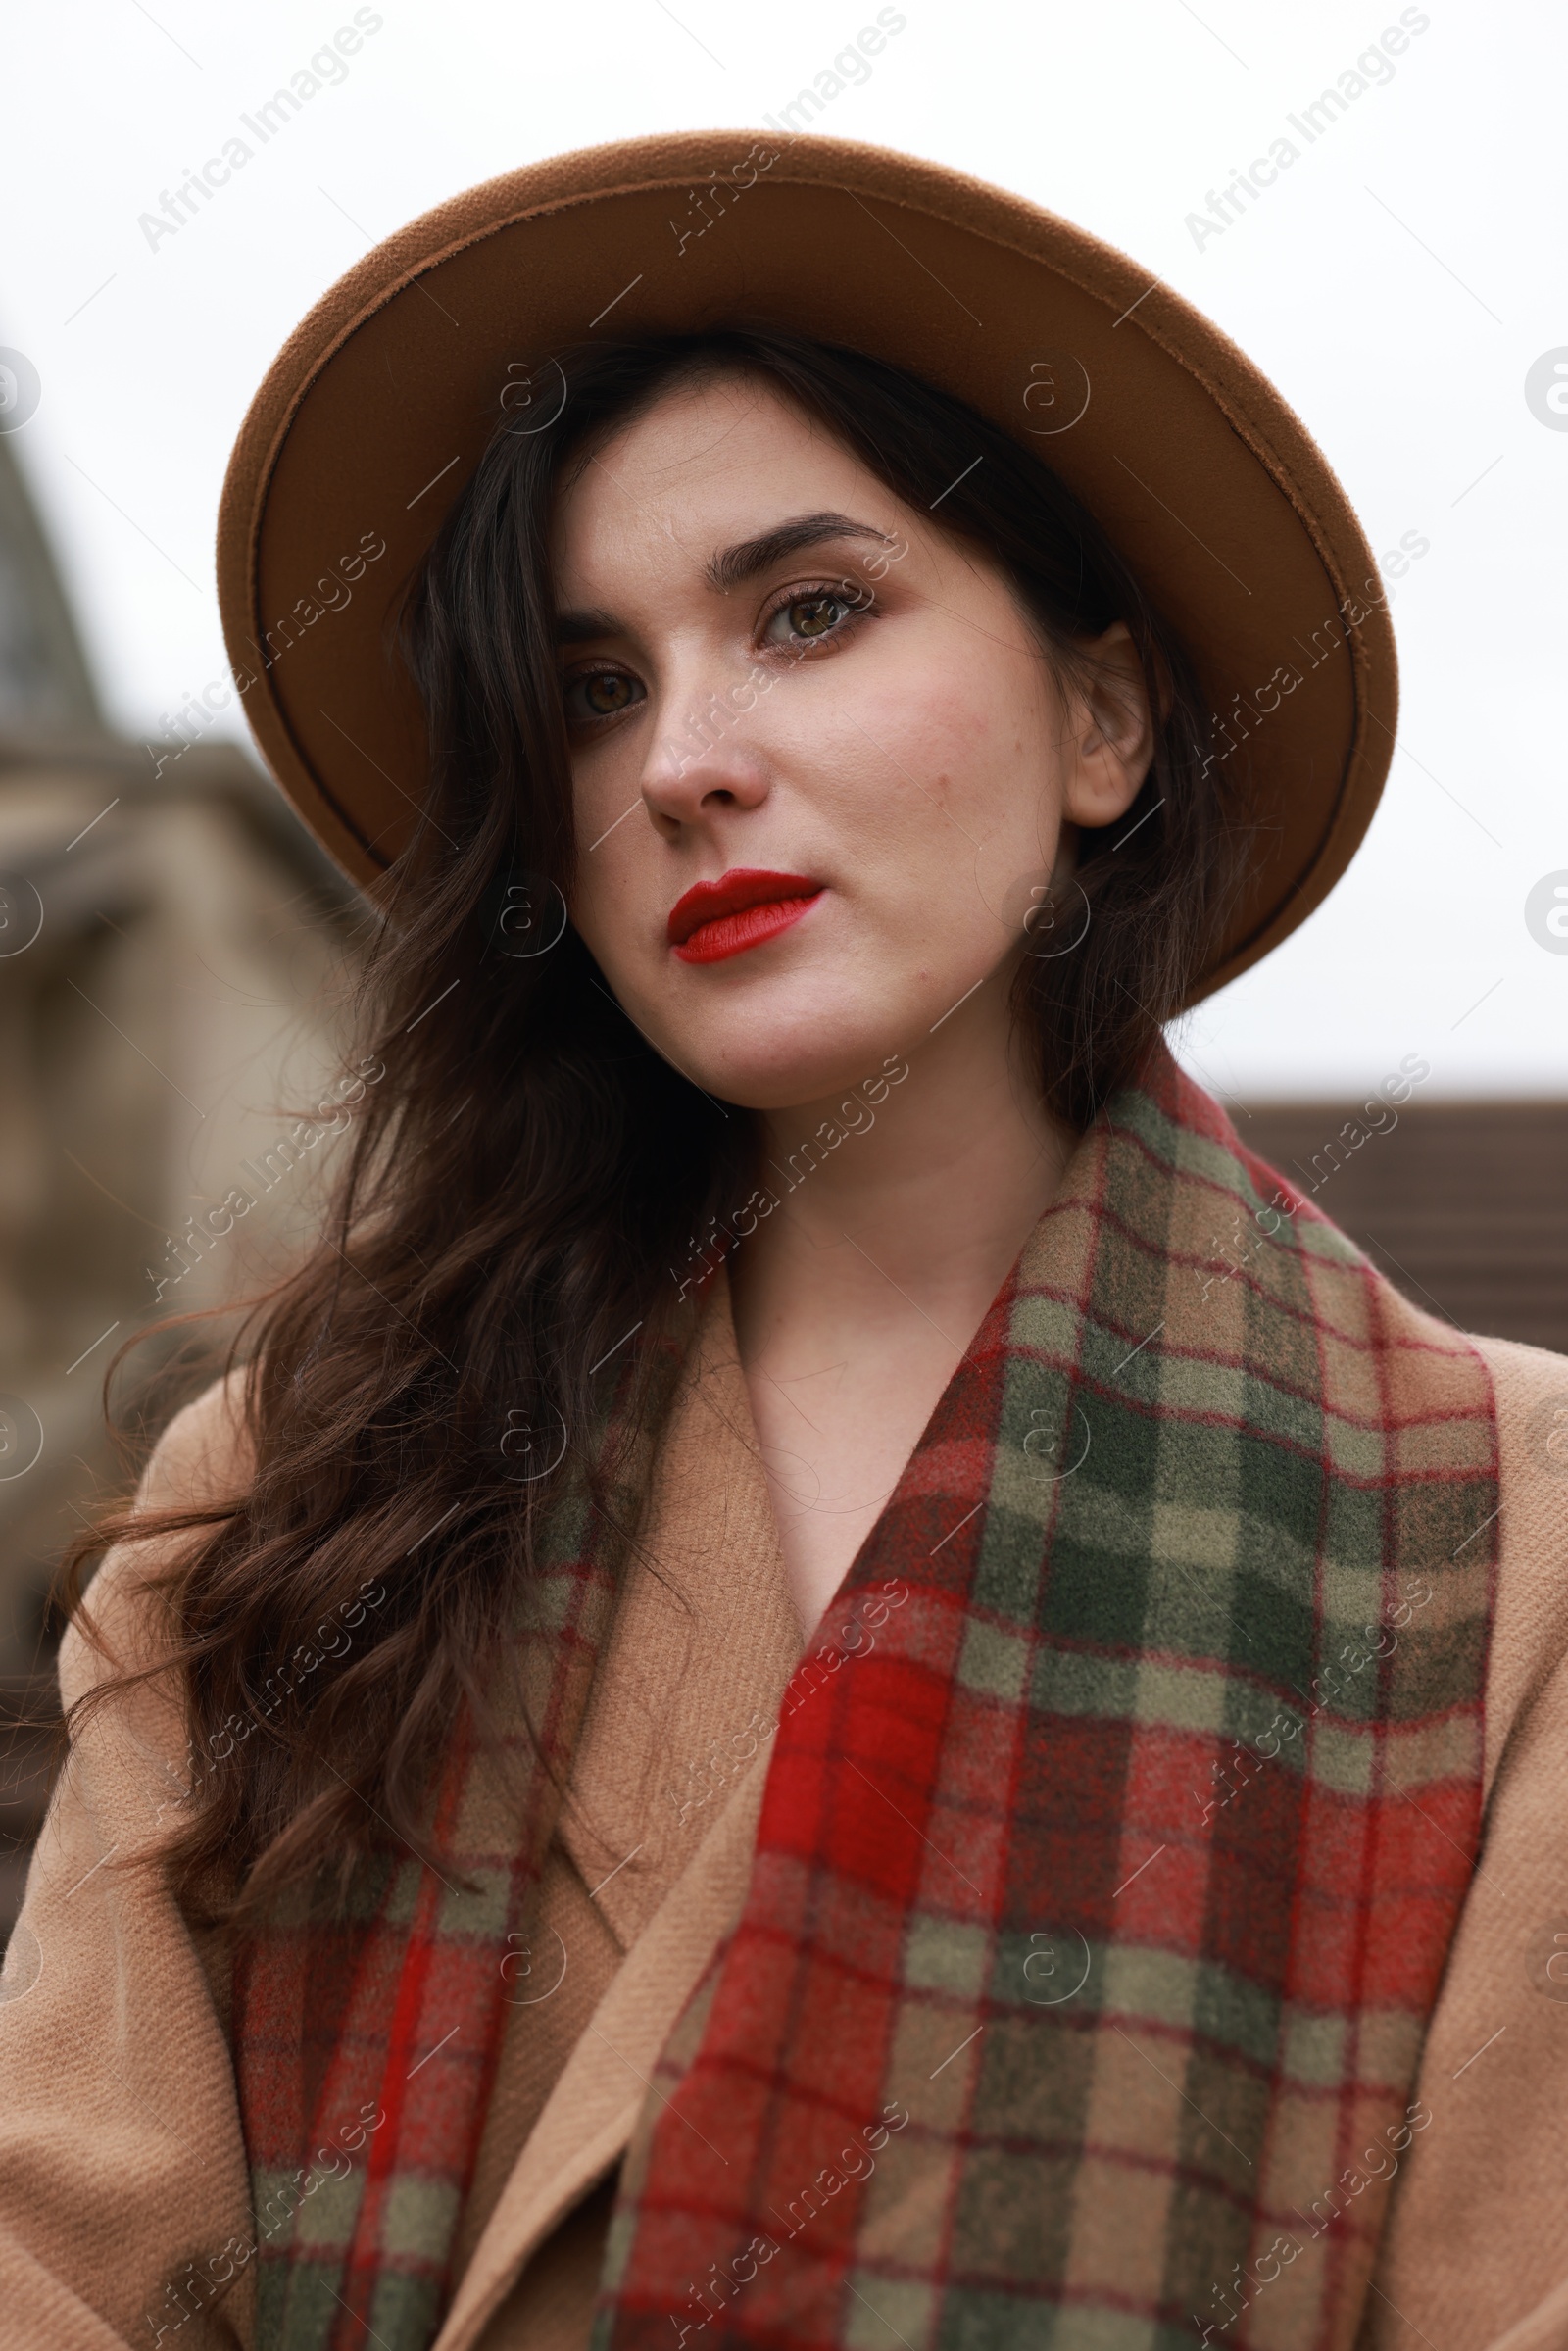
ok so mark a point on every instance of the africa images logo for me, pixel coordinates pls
(1546, 913)
(1546, 390)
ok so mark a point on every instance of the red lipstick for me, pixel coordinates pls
(715, 921)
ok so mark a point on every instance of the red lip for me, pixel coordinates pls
(744, 906)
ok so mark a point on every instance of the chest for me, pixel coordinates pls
(835, 1427)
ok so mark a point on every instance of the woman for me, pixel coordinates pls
(774, 1220)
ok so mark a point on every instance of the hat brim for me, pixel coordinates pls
(375, 413)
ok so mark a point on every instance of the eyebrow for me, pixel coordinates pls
(744, 561)
(581, 628)
(734, 566)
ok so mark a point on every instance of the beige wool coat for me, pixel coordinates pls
(122, 2159)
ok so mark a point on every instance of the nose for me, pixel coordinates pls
(704, 759)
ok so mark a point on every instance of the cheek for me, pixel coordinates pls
(899, 749)
(607, 893)
(971, 719)
(950, 780)
(613, 857)
(602, 788)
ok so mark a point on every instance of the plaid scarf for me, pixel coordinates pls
(1101, 1893)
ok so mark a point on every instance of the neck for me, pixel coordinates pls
(916, 1189)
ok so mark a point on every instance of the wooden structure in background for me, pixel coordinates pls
(1462, 1203)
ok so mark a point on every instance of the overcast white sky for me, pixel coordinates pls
(1397, 283)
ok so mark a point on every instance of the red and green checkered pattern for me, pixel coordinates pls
(1099, 1900)
(366, 2044)
(1033, 2028)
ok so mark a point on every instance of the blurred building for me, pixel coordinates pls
(1461, 1203)
(171, 941)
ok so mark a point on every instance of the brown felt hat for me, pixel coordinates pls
(375, 413)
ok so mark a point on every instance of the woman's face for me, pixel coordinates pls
(782, 681)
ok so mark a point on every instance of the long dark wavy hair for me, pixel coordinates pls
(526, 1173)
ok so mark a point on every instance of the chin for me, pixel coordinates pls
(774, 1067)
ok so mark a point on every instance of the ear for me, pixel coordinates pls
(1114, 732)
